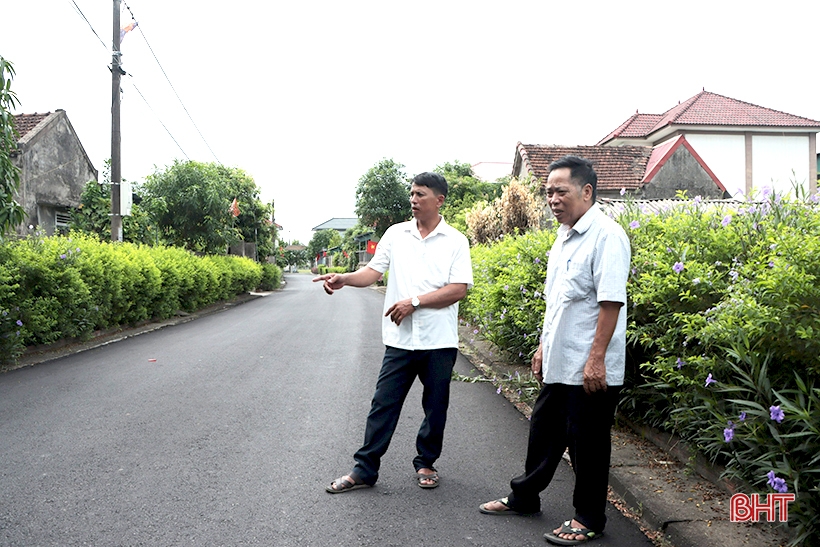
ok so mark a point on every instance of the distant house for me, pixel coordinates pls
(341, 225)
(745, 145)
(644, 172)
(54, 169)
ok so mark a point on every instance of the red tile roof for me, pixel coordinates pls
(617, 166)
(24, 123)
(707, 108)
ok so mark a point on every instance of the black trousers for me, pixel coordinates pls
(399, 370)
(565, 417)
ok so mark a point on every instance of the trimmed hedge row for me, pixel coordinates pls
(69, 286)
(723, 335)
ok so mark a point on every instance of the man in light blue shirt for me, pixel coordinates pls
(581, 356)
(430, 271)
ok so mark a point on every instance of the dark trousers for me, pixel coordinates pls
(399, 370)
(565, 417)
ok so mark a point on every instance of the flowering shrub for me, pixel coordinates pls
(68, 286)
(723, 333)
(506, 304)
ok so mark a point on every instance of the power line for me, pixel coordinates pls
(80, 12)
(159, 119)
(77, 8)
(172, 86)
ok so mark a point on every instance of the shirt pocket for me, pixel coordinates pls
(577, 283)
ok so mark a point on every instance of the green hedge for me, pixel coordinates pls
(69, 286)
(322, 269)
(723, 335)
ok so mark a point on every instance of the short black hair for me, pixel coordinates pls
(580, 172)
(434, 181)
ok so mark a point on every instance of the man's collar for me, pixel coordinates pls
(583, 224)
(442, 227)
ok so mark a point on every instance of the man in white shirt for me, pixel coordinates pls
(581, 356)
(430, 271)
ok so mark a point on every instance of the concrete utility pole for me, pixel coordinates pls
(116, 168)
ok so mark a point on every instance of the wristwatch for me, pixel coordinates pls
(415, 302)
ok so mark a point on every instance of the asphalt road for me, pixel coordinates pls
(230, 436)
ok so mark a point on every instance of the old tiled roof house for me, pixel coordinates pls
(54, 169)
(642, 171)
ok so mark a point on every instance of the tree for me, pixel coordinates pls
(255, 220)
(383, 196)
(322, 240)
(93, 216)
(11, 213)
(190, 202)
(289, 254)
(464, 191)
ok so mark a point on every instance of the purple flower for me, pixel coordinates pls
(19, 323)
(726, 220)
(680, 362)
(498, 391)
(634, 224)
(710, 380)
(742, 417)
(767, 191)
(475, 331)
(623, 191)
(776, 482)
(728, 434)
(776, 413)
(733, 274)
(697, 200)
(678, 267)
(771, 264)
(537, 260)
(696, 281)
(62, 257)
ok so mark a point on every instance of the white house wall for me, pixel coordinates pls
(726, 157)
(779, 160)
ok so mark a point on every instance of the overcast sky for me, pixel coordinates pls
(307, 96)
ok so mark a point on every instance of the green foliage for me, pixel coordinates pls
(69, 286)
(322, 269)
(11, 213)
(93, 216)
(464, 191)
(271, 277)
(189, 204)
(323, 240)
(506, 304)
(383, 196)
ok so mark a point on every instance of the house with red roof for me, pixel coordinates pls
(54, 169)
(747, 147)
(645, 172)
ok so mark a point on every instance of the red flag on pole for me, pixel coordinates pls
(234, 208)
(371, 247)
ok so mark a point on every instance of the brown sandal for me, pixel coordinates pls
(346, 484)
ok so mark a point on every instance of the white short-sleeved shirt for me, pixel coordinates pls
(417, 267)
(588, 264)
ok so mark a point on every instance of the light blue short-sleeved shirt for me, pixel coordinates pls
(588, 264)
(420, 266)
